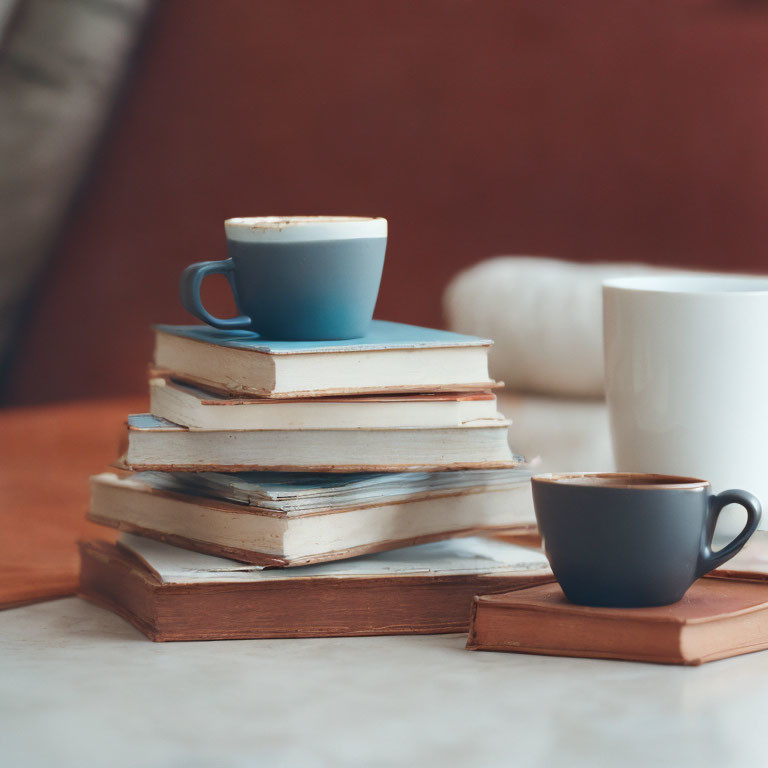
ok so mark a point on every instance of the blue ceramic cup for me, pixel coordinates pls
(296, 277)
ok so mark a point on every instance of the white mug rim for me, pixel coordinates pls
(272, 229)
(691, 285)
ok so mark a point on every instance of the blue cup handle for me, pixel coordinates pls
(189, 292)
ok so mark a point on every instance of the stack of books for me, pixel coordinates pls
(311, 457)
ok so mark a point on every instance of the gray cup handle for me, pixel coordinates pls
(189, 293)
(709, 560)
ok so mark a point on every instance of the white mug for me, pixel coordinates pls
(686, 373)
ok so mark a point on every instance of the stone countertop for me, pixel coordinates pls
(81, 687)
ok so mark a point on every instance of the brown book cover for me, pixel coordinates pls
(172, 594)
(716, 619)
(750, 564)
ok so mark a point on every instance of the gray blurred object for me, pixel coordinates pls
(7, 8)
(545, 317)
(61, 64)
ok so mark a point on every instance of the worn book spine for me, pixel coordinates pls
(150, 444)
(536, 631)
(303, 607)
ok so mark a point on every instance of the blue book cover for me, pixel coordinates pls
(382, 335)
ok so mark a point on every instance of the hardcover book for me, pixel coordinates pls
(191, 407)
(293, 520)
(392, 357)
(171, 594)
(750, 564)
(289, 493)
(716, 618)
(153, 443)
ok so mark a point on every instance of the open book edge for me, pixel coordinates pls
(470, 555)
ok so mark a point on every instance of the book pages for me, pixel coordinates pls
(471, 555)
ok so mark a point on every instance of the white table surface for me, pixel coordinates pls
(81, 687)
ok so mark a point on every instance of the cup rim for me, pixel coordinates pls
(660, 481)
(264, 229)
(687, 284)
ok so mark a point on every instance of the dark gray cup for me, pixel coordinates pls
(296, 277)
(632, 540)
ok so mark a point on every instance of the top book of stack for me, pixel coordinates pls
(391, 358)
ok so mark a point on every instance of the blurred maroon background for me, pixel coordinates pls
(593, 131)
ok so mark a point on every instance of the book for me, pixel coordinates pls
(392, 357)
(283, 523)
(153, 443)
(716, 618)
(171, 594)
(192, 407)
(290, 493)
(750, 564)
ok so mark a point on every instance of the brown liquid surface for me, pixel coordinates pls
(623, 480)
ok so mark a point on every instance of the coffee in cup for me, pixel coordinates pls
(296, 277)
(632, 540)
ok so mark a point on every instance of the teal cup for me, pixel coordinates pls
(296, 277)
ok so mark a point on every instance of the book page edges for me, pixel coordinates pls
(225, 369)
(266, 559)
(132, 483)
(267, 394)
(210, 398)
